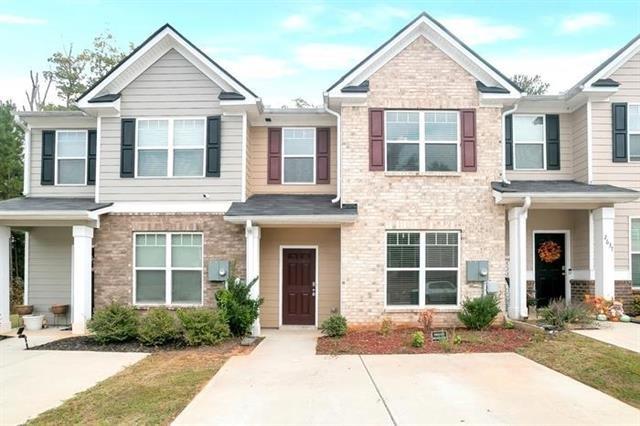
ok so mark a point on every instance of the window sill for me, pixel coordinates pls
(447, 174)
(168, 307)
(417, 310)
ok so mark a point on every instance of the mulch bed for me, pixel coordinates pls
(398, 341)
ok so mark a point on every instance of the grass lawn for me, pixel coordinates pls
(610, 369)
(152, 391)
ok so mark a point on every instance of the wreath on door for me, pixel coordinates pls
(549, 251)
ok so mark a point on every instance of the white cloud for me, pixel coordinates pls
(327, 56)
(374, 18)
(474, 31)
(258, 67)
(295, 22)
(575, 23)
(21, 20)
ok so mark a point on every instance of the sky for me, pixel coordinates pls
(289, 49)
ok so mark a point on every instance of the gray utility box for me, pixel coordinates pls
(477, 270)
(218, 270)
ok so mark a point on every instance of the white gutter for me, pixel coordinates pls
(504, 143)
(292, 219)
(338, 150)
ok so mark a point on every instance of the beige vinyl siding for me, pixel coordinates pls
(580, 145)
(171, 87)
(36, 167)
(566, 157)
(328, 286)
(257, 168)
(49, 268)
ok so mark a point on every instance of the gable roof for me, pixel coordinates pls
(425, 18)
(234, 84)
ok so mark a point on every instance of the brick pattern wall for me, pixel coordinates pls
(581, 287)
(420, 77)
(113, 249)
(625, 294)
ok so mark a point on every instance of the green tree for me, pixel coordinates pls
(10, 153)
(532, 85)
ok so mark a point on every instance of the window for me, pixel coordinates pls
(425, 141)
(529, 142)
(168, 269)
(422, 268)
(170, 147)
(298, 155)
(71, 157)
(635, 251)
(634, 132)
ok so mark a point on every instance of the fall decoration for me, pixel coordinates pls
(549, 251)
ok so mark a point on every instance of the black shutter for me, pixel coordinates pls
(508, 141)
(128, 148)
(213, 146)
(48, 165)
(619, 128)
(91, 158)
(553, 141)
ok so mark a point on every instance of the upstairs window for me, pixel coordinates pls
(71, 157)
(529, 142)
(634, 132)
(298, 155)
(424, 141)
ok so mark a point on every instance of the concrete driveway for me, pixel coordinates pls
(282, 382)
(624, 335)
(32, 382)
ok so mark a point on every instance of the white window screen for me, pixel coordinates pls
(71, 153)
(529, 139)
(634, 132)
(153, 147)
(298, 155)
(403, 263)
(188, 144)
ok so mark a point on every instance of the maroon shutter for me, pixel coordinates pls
(468, 142)
(274, 155)
(376, 139)
(323, 144)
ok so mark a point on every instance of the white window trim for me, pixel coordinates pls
(631, 252)
(85, 158)
(168, 269)
(285, 156)
(421, 271)
(543, 143)
(170, 148)
(422, 142)
(629, 132)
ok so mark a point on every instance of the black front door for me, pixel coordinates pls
(550, 267)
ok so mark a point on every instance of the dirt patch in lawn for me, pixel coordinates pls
(398, 341)
(88, 343)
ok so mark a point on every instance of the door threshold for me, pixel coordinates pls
(297, 327)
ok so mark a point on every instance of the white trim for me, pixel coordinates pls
(623, 275)
(243, 190)
(56, 157)
(629, 132)
(631, 252)
(589, 142)
(27, 236)
(285, 156)
(169, 207)
(591, 248)
(293, 219)
(98, 143)
(613, 65)
(543, 142)
(317, 296)
(168, 268)
(559, 197)
(26, 183)
(567, 257)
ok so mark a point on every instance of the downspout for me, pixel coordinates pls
(504, 143)
(338, 150)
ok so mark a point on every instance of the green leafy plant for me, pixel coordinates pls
(446, 345)
(417, 339)
(114, 323)
(238, 307)
(386, 327)
(480, 312)
(635, 305)
(334, 326)
(560, 315)
(457, 339)
(158, 327)
(508, 325)
(203, 326)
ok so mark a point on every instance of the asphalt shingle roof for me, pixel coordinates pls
(289, 205)
(568, 186)
(51, 203)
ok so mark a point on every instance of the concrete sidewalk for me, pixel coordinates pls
(283, 382)
(625, 335)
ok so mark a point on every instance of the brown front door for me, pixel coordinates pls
(299, 286)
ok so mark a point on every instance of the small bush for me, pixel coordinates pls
(158, 327)
(203, 326)
(334, 326)
(479, 313)
(237, 305)
(417, 339)
(508, 325)
(635, 305)
(559, 314)
(386, 327)
(114, 323)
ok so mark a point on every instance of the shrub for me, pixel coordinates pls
(386, 327)
(425, 318)
(635, 305)
(479, 313)
(417, 339)
(114, 323)
(237, 306)
(158, 327)
(334, 326)
(559, 314)
(203, 326)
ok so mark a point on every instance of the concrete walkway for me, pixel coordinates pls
(283, 382)
(32, 382)
(625, 335)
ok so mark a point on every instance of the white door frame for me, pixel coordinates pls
(567, 257)
(317, 296)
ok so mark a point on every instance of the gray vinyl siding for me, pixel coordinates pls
(49, 268)
(171, 87)
(36, 166)
(580, 145)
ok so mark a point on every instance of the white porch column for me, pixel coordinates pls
(81, 288)
(5, 237)
(517, 262)
(252, 236)
(603, 251)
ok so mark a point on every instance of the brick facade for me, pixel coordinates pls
(113, 249)
(420, 77)
(581, 287)
(625, 294)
